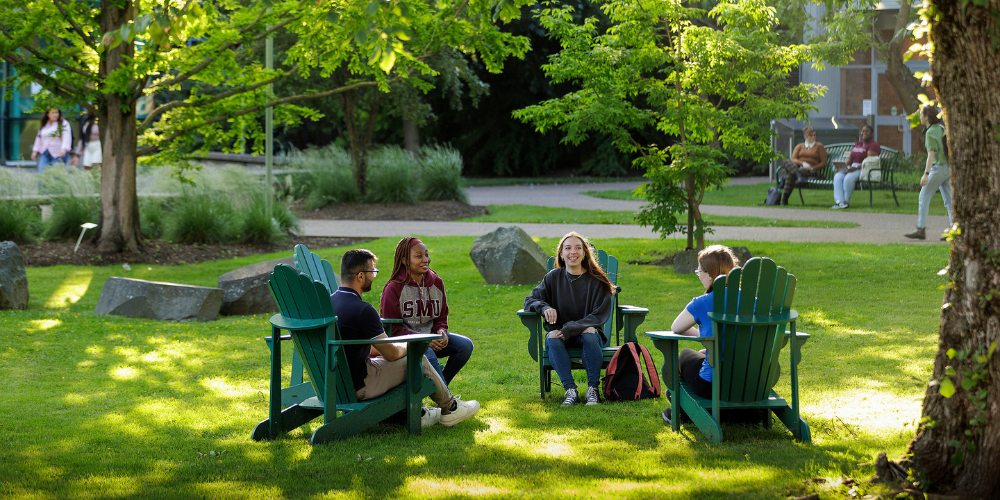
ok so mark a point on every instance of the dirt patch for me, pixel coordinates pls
(54, 253)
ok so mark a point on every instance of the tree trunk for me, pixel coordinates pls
(411, 136)
(966, 76)
(348, 100)
(689, 189)
(119, 228)
(900, 77)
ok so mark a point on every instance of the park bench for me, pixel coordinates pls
(307, 315)
(751, 309)
(881, 176)
(626, 318)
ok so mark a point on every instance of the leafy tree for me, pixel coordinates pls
(955, 449)
(705, 86)
(106, 55)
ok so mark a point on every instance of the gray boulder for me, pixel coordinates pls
(13, 279)
(508, 256)
(686, 262)
(157, 300)
(246, 289)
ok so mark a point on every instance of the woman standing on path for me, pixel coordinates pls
(416, 295)
(88, 150)
(847, 175)
(54, 140)
(937, 174)
(575, 300)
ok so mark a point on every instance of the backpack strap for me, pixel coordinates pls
(654, 379)
(635, 356)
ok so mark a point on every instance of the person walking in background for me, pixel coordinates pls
(575, 298)
(847, 176)
(937, 174)
(808, 160)
(88, 149)
(54, 140)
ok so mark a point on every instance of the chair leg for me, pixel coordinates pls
(803, 200)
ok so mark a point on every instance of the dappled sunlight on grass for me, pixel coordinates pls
(449, 488)
(123, 373)
(40, 325)
(72, 289)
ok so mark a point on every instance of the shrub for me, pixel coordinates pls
(391, 175)
(19, 221)
(442, 175)
(68, 213)
(58, 179)
(200, 217)
(329, 177)
(151, 216)
(256, 226)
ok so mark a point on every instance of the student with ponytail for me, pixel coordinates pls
(415, 294)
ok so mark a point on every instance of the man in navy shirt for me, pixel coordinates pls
(380, 367)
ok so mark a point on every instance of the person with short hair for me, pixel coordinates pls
(416, 295)
(937, 173)
(575, 298)
(377, 368)
(713, 261)
(53, 141)
(847, 176)
(808, 160)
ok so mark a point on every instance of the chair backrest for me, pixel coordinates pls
(316, 268)
(299, 297)
(609, 263)
(749, 354)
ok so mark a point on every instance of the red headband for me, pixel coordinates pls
(414, 242)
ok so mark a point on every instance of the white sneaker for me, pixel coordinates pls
(430, 415)
(839, 206)
(463, 410)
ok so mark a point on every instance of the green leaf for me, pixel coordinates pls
(388, 60)
(967, 383)
(126, 33)
(954, 443)
(971, 446)
(982, 394)
(981, 358)
(400, 33)
(968, 432)
(404, 13)
(267, 3)
(957, 458)
(372, 8)
(361, 37)
(993, 347)
(949, 370)
(947, 388)
(376, 52)
(333, 16)
(951, 352)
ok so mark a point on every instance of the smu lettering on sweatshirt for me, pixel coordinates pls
(423, 307)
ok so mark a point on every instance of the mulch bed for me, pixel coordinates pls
(54, 253)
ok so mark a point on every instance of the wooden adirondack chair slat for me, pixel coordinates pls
(751, 309)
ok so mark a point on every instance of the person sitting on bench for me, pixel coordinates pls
(808, 160)
(376, 369)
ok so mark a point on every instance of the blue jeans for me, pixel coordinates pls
(592, 358)
(46, 158)
(843, 185)
(458, 351)
(939, 179)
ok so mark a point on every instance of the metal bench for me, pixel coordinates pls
(879, 177)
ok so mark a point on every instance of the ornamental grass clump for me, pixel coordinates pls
(200, 217)
(68, 213)
(19, 220)
(256, 226)
(328, 178)
(151, 218)
(391, 176)
(442, 174)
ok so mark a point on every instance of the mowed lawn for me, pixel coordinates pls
(104, 406)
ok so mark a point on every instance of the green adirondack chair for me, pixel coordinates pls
(626, 318)
(751, 310)
(307, 314)
(316, 268)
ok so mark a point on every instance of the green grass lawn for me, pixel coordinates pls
(105, 406)
(815, 199)
(548, 215)
(515, 181)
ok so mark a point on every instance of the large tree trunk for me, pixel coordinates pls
(900, 77)
(966, 76)
(119, 229)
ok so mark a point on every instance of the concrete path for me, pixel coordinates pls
(873, 228)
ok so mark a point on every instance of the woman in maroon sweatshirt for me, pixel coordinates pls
(416, 295)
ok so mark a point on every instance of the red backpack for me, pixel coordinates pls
(624, 379)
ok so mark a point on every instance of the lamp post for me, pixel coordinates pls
(268, 129)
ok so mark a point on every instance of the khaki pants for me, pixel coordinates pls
(384, 375)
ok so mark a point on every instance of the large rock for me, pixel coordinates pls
(686, 262)
(246, 289)
(508, 256)
(13, 280)
(157, 300)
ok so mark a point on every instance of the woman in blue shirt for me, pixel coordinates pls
(714, 261)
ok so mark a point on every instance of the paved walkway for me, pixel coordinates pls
(873, 228)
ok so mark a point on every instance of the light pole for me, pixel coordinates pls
(268, 129)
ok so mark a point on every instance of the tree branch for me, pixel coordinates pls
(184, 104)
(39, 55)
(253, 109)
(67, 92)
(86, 39)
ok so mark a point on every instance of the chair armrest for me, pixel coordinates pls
(536, 338)
(391, 321)
(754, 320)
(416, 337)
(279, 321)
(671, 336)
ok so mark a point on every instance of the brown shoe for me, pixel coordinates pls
(919, 234)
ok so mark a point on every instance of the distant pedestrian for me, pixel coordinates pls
(937, 173)
(54, 140)
(88, 149)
